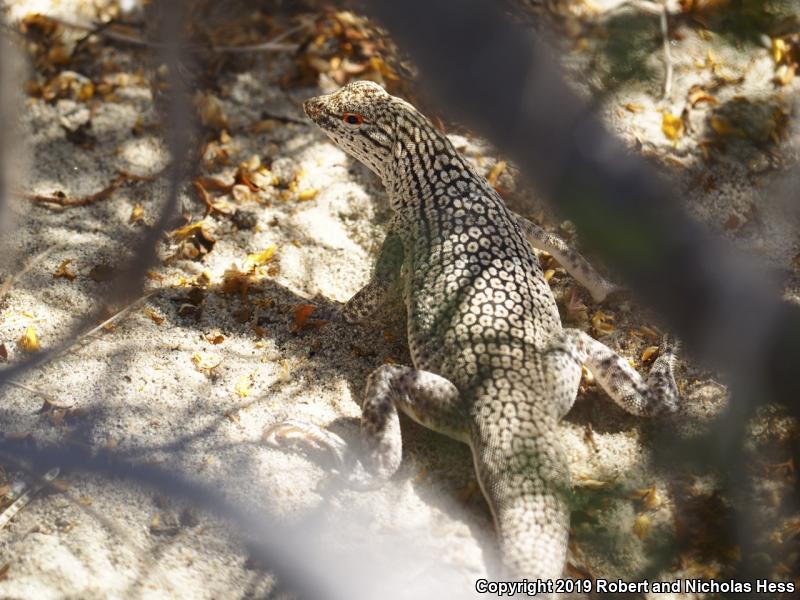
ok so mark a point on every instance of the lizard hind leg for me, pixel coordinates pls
(429, 399)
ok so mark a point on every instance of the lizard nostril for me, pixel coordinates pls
(313, 107)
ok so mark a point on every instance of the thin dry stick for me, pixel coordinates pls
(62, 201)
(112, 319)
(12, 278)
(50, 400)
(104, 29)
(663, 15)
(667, 53)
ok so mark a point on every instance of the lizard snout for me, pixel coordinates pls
(313, 108)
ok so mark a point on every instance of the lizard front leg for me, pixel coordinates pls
(575, 264)
(384, 277)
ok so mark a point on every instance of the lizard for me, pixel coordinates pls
(492, 366)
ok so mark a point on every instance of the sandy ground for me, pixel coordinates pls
(195, 389)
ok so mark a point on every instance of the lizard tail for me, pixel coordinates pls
(525, 480)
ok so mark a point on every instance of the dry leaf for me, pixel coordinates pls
(642, 526)
(649, 497)
(633, 107)
(29, 342)
(785, 74)
(672, 126)
(215, 338)
(235, 281)
(137, 214)
(206, 362)
(600, 323)
(243, 386)
(154, 316)
(649, 353)
(548, 275)
(3, 353)
(697, 95)
(259, 259)
(779, 50)
(64, 272)
(590, 483)
(210, 111)
(495, 173)
(301, 315)
(308, 194)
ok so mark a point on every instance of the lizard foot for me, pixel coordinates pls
(297, 434)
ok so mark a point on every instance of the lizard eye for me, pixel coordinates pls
(352, 119)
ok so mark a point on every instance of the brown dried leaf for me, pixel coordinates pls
(210, 111)
(154, 316)
(301, 315)
(64, 272)
(3, 353)
(215, 338)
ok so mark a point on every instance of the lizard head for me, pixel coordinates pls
(360, 119)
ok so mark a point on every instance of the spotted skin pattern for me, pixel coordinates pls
(492, 365)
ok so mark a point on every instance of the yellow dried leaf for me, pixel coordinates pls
(672, 126)
(308, 194)
(698, 95)
(648, 353)
(642, 526)
(600, 323)
(260, 258)
(548, 275)
(496, 171)
(187, 230)
(785, 74)
(137, 214)
(242, 387)
(205, 362)
(779, 50)
(29, 342)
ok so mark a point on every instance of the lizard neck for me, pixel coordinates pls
(425, 164)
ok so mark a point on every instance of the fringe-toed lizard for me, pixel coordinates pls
(492, 365)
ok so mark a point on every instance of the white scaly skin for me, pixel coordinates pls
(492, 365)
